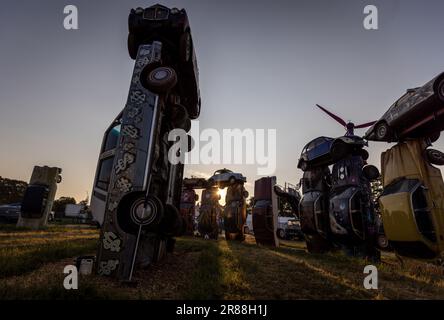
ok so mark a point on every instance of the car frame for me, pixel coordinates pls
(417, 113)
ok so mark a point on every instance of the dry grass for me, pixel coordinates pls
(208, 270)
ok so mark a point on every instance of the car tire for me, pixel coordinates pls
(435, 157)
(371, 172)
(172, 223)
(130, 216)
(161, 79)
(364, 154)
(280, 233)
(382, 131)
(132, 46)
(339, 150)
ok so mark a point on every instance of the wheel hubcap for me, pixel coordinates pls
(143, 214)
(382, 131)
(161, 74)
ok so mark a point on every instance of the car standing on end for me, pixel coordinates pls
(418, 113)
(137, 190)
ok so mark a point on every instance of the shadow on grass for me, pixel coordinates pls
(206, 277)
(19, 261)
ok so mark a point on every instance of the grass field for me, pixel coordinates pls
(32, 262)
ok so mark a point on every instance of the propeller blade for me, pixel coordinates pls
(365, 125)
(338, 119)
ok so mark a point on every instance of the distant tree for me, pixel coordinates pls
(11, 191)
(60, 204)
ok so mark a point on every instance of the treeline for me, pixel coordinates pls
(11, 191)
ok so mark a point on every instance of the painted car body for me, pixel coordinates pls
(170, 27)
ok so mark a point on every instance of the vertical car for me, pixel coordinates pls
(209, 212)
(137, 189)
(187, 208)
(265, 212)
(313, 209)
(412, 203)
(39, 197)
(351, 211)
(235, 211)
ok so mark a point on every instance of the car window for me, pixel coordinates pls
(112, 138)
(106, 166)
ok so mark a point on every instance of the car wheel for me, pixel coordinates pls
(161, 79)
(132, 46)
(145, 212)
(434, 137)
(131, 212)
(172, 222)
(435, 157)
(382, 131)
(339, 150)
(371, 172)
(364, 154)
(281, 233)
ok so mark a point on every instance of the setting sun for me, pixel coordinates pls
(222, 193)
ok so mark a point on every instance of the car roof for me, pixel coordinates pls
(224, 170)
(319, 138)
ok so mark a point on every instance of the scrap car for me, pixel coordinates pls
(418, 113)
(137, 190)
(326, 151)
(224, 177)
(412, 203)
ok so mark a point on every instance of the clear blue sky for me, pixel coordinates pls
(263, 64)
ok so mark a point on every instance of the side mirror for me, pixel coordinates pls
(371, 172)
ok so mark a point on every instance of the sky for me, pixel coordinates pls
(263, 65)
